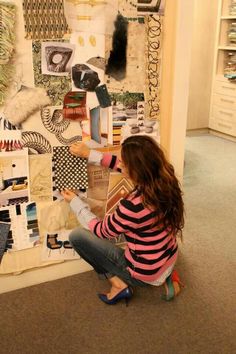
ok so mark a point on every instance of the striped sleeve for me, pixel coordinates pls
(113, 224)
(110, 161)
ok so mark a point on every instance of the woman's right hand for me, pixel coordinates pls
(80, 149)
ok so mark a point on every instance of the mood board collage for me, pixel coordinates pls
(70, 71)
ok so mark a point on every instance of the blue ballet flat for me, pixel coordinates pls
(125, 294)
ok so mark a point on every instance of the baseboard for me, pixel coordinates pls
(222, 135)
(197, 132)
(41, 275)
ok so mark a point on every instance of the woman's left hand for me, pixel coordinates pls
(68, 195)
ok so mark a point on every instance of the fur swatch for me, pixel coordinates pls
(25, 102)
(116, 66)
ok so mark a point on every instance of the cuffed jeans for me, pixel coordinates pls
(107, 259)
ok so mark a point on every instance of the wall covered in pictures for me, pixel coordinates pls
(70, 71)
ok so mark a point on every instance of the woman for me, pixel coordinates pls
(150, 218)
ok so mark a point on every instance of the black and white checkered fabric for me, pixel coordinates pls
(68, 171)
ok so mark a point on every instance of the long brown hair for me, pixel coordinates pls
(154, 177)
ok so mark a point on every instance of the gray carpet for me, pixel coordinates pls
(65, 316)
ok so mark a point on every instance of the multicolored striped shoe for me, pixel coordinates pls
(172, 286)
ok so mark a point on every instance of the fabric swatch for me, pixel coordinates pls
(69, 171)
(95, 124)
(7, 41)
(44, 19)
(4, 230)
(103, 96)
(116, 66)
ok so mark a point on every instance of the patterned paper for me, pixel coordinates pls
(7, 42)
(40, 175)
(119, 187)
(152, 94)
(44, 19)
(91, 15)
(69, 171)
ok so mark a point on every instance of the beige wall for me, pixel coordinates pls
(177, 40)
(203, 42)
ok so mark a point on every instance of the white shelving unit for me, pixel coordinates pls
(223, 94)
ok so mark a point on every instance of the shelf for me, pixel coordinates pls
(227, 47)
(228, 17)
(223, 94)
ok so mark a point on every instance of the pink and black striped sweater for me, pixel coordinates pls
(150, 251)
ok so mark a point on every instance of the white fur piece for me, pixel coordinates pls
(25, 102)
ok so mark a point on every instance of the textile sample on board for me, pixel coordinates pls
(7, 39)
(154, 34)
(56, 86)
(116, 66)
(4, 232)
(136, 60)
(24, 103)
(24, 229)
(69, 171)
(44, 19)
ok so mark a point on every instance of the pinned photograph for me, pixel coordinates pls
(124, 112)
(14, 177)
(56, 58)
(149, 7)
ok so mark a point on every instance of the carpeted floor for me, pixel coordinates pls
(65, 316)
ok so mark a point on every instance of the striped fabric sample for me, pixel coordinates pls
(44, 19)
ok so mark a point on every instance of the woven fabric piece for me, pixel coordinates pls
(44, 19)
(69, 171)
(7, 39)
(4, 230)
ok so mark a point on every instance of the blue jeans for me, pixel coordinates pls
(107, 259)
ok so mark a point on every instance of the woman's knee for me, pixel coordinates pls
(77, 235)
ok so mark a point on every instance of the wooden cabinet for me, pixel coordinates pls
(223, 95)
